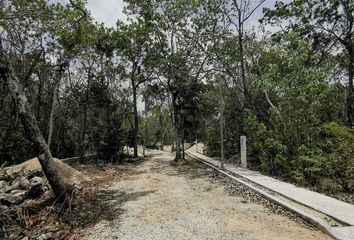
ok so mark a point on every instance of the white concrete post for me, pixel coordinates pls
(243, 151)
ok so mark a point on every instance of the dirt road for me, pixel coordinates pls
(165, 202)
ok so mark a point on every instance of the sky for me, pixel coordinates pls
(109, 11)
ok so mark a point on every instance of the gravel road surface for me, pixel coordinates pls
(166, 202)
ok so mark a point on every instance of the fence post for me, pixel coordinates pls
(243, 141)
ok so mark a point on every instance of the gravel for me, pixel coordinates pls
(193, 202)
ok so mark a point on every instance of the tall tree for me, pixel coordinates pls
(33, 19)
(133, 42)
(327, 23)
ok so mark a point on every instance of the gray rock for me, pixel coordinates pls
(44, 236)
(5, 176)
(36, 180)
(2, 175)
(19, 183)
(24, 183)
(3, 208)
(3, 186)
(15, 197)
(14, 185)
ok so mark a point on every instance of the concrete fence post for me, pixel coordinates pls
(243, 147)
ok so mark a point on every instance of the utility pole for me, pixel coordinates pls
(221, 125)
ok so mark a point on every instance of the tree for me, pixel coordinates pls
(52, 170)
(133, 42)
(33, 21)
(182, 65)
(326, 23)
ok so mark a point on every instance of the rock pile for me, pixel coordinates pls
(20, 187)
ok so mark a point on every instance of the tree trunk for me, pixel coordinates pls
(350, 96)
(39, 97)
(83, 135)
(161, 131)
(178, 146)
(84, 121)
(146, 127)
(58, 175)
(136, 120)
(221, 126)
(274, 107)
(52, 110)
(183, 153)
(135, 103)
(242, 61)
(177, 129)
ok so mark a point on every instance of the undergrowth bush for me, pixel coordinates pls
(326, 163)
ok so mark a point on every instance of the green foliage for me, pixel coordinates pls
(189, 60)
(297, 133)
(328, 163)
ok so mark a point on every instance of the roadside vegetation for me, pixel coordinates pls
(180, 71)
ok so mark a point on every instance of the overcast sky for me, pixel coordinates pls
(109, 11)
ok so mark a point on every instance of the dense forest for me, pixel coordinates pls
(178, 71)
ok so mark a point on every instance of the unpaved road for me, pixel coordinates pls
(167, 203)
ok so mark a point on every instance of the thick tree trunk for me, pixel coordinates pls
(58, 175)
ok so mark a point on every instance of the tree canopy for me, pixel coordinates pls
(200, 71)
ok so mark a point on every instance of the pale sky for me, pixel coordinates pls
(109, 11)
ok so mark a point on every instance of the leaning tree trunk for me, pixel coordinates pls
(51, 169)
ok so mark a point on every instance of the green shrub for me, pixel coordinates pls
(329, 163)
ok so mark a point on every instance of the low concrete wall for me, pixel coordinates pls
(73, 160)
(321, 224)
